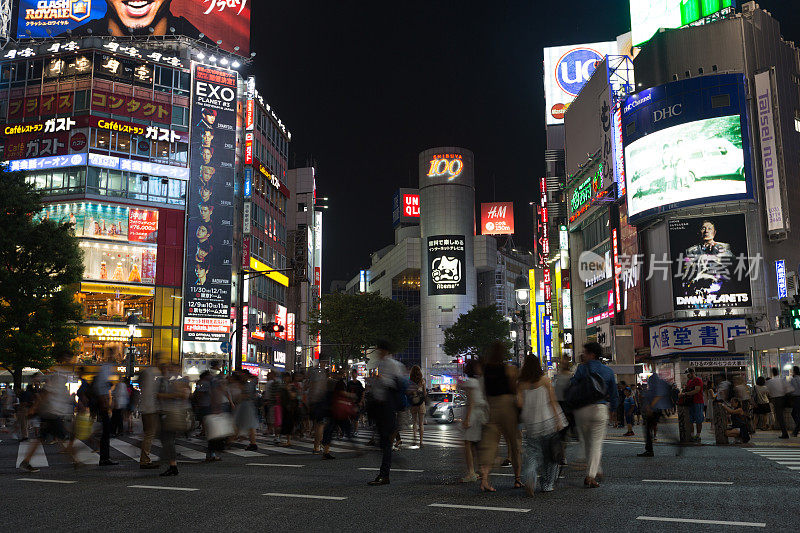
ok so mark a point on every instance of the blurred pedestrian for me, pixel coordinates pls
(245, 417)
(417, 398)
(629, 411)
(500, 381)
(761, 399)
(102, 392)
(795, 395)
(476, 416)
(221, 406)
(317, 403)
(149, 382)
(592, 417)
(542, 419)
(173, 398)
(342, 409)
(656, 404)
(288, 404)
(778, 390)
(356, 388)
(121, 399)
(693, 394)
(386, 391)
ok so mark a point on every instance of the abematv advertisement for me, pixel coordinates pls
(497, 218)
(206, 20)
(209, 239)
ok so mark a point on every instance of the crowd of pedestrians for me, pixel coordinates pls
(534, 415)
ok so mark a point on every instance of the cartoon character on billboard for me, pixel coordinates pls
(446, 270)
(135, 17)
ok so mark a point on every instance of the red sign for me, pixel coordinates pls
(129, 106)
(280, 320)
(318, 279)
(615, 247)
(250, 115)
(411, 205)
(497, 218)
(78, 142)
(227, 21)
(248, 148)
(206, 325)
(290, 325)
(258, 334)
(142, 225)
(45, 105)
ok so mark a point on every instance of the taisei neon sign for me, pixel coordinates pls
(585, 193)
(449, 165)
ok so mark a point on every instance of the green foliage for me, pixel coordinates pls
(352, 323)
(41, 267)
(475, 331)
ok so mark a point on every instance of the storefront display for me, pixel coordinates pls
(109, 344)
(120, 263)
(106, 222)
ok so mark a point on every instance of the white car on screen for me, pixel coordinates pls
(715, 159)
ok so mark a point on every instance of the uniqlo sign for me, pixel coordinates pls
(497, 218)
(411, 205)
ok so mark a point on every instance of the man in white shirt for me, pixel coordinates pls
(778, 388)
(148, 407)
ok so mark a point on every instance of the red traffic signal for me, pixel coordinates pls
(272, 327)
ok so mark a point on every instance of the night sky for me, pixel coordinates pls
(365, 86)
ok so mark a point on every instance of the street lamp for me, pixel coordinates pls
(133, 322)
(523, 294)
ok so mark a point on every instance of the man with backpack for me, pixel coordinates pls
(593, 390)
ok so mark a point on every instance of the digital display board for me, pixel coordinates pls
(447, 268)
(206, 20)
(105, 221)
(686, 143)
(566, 71)
(497, 218)
(648, 16)
(710, 261)
(209, 241)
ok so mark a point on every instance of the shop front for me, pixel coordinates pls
(109, 344)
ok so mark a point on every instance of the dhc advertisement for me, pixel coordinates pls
(686, 143)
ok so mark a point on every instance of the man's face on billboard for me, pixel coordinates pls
(708, 231)
(138, 14)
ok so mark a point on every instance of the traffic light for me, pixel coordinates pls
(274, 328)
(794, 317)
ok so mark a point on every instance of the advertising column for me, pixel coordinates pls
(207, 276)
(447, 228)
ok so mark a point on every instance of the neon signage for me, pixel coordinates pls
(587, 191)
(449, 165)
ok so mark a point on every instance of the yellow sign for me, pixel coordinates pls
(258, 266)
(113, 334)
(110, 288)
(532, 309)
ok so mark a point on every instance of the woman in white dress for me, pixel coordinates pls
(475, 417)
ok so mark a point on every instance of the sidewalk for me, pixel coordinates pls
(759, 438)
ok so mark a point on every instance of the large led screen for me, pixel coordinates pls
(206, 20)
(648, 16)
(701, 159)
(686, 143)
(711, 265)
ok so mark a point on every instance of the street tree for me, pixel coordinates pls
(475, 331)
(41, 267)
(350, 324)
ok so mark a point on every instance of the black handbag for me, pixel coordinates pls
(555, 446)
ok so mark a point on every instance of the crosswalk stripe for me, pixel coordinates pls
(85, 454)
(38, 460)
(134, 452)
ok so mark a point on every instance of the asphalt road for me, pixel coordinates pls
(271, 490)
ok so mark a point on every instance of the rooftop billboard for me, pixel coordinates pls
(207, 20)
(648, 16)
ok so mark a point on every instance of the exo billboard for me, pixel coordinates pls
(209, 236)
(497, 218)
(566, 71)
(207, 20)
(686, 143)
(648, 16)
(710, 261)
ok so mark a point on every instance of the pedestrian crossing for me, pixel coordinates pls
(128, 447)
(785, 457)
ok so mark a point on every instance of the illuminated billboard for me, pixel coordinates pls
(105, 221)
(648, 16)
(566, 71)
(405, 207)
(710, 261)
(497, 218)
(686, 143)
(206, 20)
(447, 256)
(209, 240)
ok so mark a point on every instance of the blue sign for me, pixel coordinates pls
(143, 167)
(46, 163)
(248, 182)
(575, 68)
(780, 271)
(548, 340)
(226, 347)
